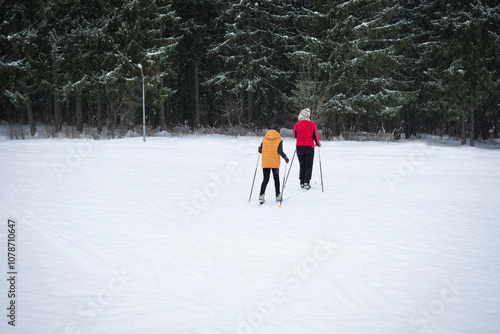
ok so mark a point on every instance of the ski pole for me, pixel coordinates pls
(289, 169)
(283, 187)
(320, 170)
(254, 174)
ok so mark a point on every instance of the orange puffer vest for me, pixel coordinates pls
(270, 143)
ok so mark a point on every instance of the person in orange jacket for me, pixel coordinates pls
(271, 149)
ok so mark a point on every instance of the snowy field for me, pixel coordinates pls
(121, 236)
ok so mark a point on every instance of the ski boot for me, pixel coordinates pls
(262, 199)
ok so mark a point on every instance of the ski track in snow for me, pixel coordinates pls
(122, 236)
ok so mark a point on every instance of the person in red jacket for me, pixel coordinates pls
(306, 133)
(271, 149)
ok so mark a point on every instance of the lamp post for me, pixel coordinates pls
(143, 105)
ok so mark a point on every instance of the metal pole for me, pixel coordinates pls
(320, 170)
(143, 106)
(254, 174)
(283, 187)
(295, 152)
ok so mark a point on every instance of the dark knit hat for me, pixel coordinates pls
(275, 127)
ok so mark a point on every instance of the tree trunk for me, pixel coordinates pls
(196, 96)
(79, 116)
(163, 126)
(168, 109)
(99, 114)
(111, 118)
(334, 124)
(90, 121)
(57, 112)
(462, 119)
(472, 132)
(407, 124)
(250, 107)
(47, 113)
(57, 102)
(31, 119)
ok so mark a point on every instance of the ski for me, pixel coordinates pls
(270, 202)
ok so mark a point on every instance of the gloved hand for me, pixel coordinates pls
(287, 160)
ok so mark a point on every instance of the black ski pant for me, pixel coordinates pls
(276, 176)
(305, 154)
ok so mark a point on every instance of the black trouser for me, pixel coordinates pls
(276, 176)
(305, 154)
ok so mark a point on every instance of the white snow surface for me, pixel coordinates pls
(122, 236)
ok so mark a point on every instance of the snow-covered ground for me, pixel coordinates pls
(122, 236)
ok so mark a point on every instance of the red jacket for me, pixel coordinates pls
(306, 133)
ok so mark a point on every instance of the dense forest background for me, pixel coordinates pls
(360, 65)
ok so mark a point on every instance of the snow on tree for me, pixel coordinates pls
(429, 66)
(254, 69)
(79, 55)
(195, 29)
(464, 52)
(367, 88)
(22, 57)
(311, 63)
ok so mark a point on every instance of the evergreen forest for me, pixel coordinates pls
(413, 66)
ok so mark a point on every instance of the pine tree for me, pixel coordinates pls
(195, 29)
(466, 46)
(255, 71)
(140, 32)
(429, 65)
(158, 44)
(311, 64)
(23, 59)
(368, 88)
(100, 52)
